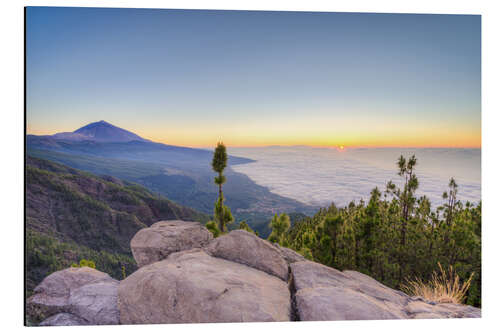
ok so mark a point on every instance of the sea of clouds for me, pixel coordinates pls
(319, 176)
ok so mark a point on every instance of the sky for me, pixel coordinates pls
(251, 78)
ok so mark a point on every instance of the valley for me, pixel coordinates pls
(179, 173)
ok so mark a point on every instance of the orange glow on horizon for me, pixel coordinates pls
(209, 142)
(381, 143)
(321, 136)
(315, 134)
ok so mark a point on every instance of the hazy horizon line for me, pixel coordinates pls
(334, 146)
(345, 146)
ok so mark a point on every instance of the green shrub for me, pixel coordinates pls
(212, 227)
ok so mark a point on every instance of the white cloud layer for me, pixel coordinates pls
(319, 176)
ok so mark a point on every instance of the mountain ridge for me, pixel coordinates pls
(100, 131)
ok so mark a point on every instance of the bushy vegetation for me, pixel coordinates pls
(395, 236)
(46, 254)
(84, 263)
(213, 228)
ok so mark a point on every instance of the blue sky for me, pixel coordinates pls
(255, 78)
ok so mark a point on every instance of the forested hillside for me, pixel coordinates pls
(395, 236)
(73, 215)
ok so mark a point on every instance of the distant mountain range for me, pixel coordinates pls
(104, 139)
(182, 174)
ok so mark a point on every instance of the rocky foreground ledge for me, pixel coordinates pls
(185, 276)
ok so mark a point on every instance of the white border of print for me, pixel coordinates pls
(11, 88)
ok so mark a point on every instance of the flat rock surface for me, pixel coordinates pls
(97, 303)
(155, 243)
(246, 248)
(372, 287)
(308, 274)
(289, 255)
(64, 319)
(194, 287)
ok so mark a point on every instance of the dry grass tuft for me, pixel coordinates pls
(443, 287)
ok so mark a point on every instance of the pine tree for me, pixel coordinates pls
(279, 226)
(451, 196)
(222, 213)
(406, 199)
(394, 239)
(244, 226)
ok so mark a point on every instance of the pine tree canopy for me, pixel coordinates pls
(219, 161)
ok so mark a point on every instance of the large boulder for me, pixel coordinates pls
(194, 287)
(51, 296)
(337, 303)
(83, 292)
(324, 293)
(155, 243)
(246, 248)
(97, 303)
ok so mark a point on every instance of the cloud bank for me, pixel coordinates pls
(319, 176)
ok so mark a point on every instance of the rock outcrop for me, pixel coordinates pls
(324, 293)
(83, 294)
(246, 248)
(194, 287)
(188, 277)
(155, 243)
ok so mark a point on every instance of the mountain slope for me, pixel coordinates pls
(191, 186)
(173, 156)
(100, 214)
(182, 174)
(100, 131)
